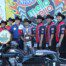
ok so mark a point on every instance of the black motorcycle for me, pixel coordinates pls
(4, 57)
(10, 56)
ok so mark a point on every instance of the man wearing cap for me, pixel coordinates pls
(40, 32)
(3, 25)
(60, 35)
(26, 37)
(50, 33)
(9, 23)
(16, 31)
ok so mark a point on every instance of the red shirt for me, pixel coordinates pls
(58, 31)
(48, 31)
(1, 29)
(20, 32)
(37, 32)
(8, 27)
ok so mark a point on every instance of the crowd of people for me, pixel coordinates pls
(50, 36)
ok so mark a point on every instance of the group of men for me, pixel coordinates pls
(50, 36)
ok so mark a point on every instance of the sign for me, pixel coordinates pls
(5, 36)
(30, 8)
(42, 7)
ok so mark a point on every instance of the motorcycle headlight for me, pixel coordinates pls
(12, 50)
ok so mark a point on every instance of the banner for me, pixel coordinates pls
(32, 8)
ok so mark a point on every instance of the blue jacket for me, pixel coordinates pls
(14, 31)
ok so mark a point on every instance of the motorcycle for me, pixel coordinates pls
(4, 57)
(9, 55)
(17, 59)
